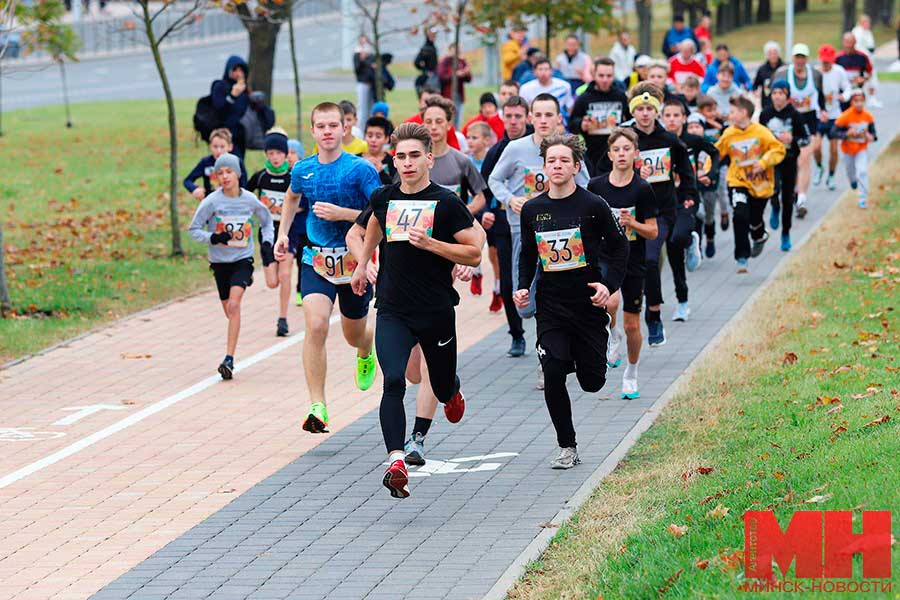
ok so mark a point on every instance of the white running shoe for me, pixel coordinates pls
(630, 389)
(682, 312)
(819, 172)
(613, 356)
(693, 258)
(540, 381)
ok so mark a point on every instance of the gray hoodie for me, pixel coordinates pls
(218, 212)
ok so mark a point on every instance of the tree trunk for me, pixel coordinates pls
(5, 302)
(720, 19)
(1, 98)
(263, 40)
(873, 8)
(177, 250)
(800, 6)
(644, 10)
(297, 103)
(764, 11)
(748, 13)
(848, 12)
(376, 41)
(547, 33)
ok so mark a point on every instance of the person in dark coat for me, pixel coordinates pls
(426, 61)
(231, 97)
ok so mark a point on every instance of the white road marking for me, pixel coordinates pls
(452, 466)
(151, 410)
(26, 434)
(86, 411)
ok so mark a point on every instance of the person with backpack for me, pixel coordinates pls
(426, 61)
(256, 122)
(230, 98)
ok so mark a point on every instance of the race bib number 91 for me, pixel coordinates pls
(561, 250)
(535, 182)
(404, 214)
(334, 264)
(660, 160)
(239, 227)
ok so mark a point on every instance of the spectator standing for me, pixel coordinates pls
(764, 75)
(463, 76)
(231, 97)
(623, 55)
(426, 62)
(723, 54)
(364, 69)
(512, 51)
(677, 34)
(865, 41)
(573, 63)
(701, 31)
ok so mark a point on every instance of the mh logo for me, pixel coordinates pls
(822, 542)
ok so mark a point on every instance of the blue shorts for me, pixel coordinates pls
(825, 128)
(297, 238)
(351, 305)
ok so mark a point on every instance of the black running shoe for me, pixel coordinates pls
(282, 328)
(226, 369)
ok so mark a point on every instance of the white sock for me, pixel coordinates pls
(397, 455)
(630, 371)
(801, 198)
(497, 287)
(477, 272)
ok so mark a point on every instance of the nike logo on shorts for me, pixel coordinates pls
(442, 344)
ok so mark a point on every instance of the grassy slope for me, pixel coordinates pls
(777, 434)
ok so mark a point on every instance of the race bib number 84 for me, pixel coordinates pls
(239, 227)
(561, 250)
(660, 160)
(404, 214)
(334, 264)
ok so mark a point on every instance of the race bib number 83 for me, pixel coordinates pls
(239, 228)
(404, 214)
(561, 250)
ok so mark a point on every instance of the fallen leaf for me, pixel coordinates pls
(861, 396)
(128, 402)
(719, 512)
(701, 564)
(842, 369)
(789, 359)
(677, 530)
(548, 525)
(836, 409)
(227, 491)
(779, 475)
(878, 421)
(740, 356)
(704, 470)
(820, 499)
(132, 355)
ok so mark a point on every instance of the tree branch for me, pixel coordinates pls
(181, 22)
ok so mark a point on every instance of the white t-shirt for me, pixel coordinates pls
(865, 41)
(574, 68)
(559, 88)
(835, 83)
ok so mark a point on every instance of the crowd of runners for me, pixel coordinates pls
(577, 187)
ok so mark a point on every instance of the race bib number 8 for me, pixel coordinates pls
(239, 227)
(535, 182)
(273, 201)
(404, 214)
(561, 250)
(660, 160)
(334, 264)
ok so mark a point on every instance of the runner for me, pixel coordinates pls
(378, 133)
(835, 85)
(427, 230)
(583, 253)
(545, 83)
(297, 234)
(661, 155)
(270, 184)
(336, 187)
(789, 126)
(635, 204)
(601, 107)
(223, 220)
(519, 176)
(479, 136)
(856, 126)
(707, 185)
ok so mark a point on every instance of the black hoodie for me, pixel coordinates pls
(231, 108)
(704, 158)
(787, 119)
(595, 101)
(655, 147)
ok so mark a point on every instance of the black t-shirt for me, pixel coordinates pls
(580, 243)
(637, 196)
(410, 279)
(387, 170)
(787, 119)
(271, 190)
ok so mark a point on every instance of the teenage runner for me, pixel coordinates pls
(583, 253)
(707, 185)
(336, 187)
(835, 85)
(427, 230)
(598, 110)
(635, 204)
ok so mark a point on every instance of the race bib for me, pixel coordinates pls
(702, 164)
(403, 214)
(803, 105)
(607, 114)
(272, 200)
(561, 250)
(630, 233)
(660, 160)
(456, 189)
(535, 182)
(238, 226)
(210, 173)
(334, 264)
(746, 152)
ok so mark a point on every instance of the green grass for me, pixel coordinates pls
(786, 414)
(889, 76)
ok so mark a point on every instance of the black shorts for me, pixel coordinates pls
(297, 239)
(259, 238)
(632, 292)
(811, 121)
(500, 228)
(576, 337)
(228, 275)
(825, 129)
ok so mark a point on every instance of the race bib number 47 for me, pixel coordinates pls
(238, 226)
(660, 160)
(561, 250)
(535, 182)
(334, 264)
(404, 214)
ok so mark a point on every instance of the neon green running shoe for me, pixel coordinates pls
(317, 419)
(299, 299)
(365, 370)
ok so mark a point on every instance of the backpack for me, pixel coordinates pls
(206, 117)
(254, 134)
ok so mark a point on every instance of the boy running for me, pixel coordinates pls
(378, 132)
(707, 183)
(219, 144)
(427, 230)
(856, 127)
(583, 254)
(598, 110)
(222, 220)
(336, 187)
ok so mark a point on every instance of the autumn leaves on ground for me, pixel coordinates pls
(797, 408)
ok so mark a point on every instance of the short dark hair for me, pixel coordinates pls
(487, 98)
(572, 142)
(348, 107)
(678, 18)
(545, 97)
(428, 89)
(542, 60)
(605, 61)
(325, 107)
(380, 123)
(511, 83)
(726, 67)
(706, 100)
(517, 101)
(443, 103)
(722, 47)
(622, 132)
(673, 101)
(691, 81)
(412, 131)
(744, 103)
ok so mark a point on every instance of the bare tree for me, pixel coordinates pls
(372, 12)
(7, 18)
(294, 66)
(148, 17)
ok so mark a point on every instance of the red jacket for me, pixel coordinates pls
(495, 122)
(445, 74)
(678, 70)
(451, 135)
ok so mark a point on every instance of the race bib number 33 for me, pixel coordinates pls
(660, 160)
(561, 250)
(404, 214)
(238, 226)
(334, 264)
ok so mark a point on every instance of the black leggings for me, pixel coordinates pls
(503, 243)
(675, 233)
(395, 336)
(786, 178)
(557, 398)
(747, 219)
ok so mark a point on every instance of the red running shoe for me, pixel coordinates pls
(456, 408)
(496, 303)
(475, 285)
(396, 479)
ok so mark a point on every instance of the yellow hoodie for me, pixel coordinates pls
(746, 147)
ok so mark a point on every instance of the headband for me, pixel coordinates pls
(645, 98)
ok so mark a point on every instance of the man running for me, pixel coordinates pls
(583, 253)
(427, 230)
(836, 87)
(598, 110)
(336, 187)
(633, 199)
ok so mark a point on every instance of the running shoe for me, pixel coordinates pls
(656, 333)
(282, 330)
(710, 248)
(757, 245)
(365, 370)
(862, 203)
(801, 207)
(517, 348)
(317, 419)
(496, 303)
(682, 312)
(456, 408)
(854, 184)
(540, 381)
(396, 479)
(693, 258)
(566, 459)
(742, 265)
(630, 389)
(415, 449)
(775, 217)
(829, 183)
(475, 285)
(817, 178)
(785, 242)
(613, 356)
(299, 299)
(723, 221)
(226, 368)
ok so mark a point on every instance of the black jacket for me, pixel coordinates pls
(787, 119)
(596, 144)
(701, 148)
(231, 108)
